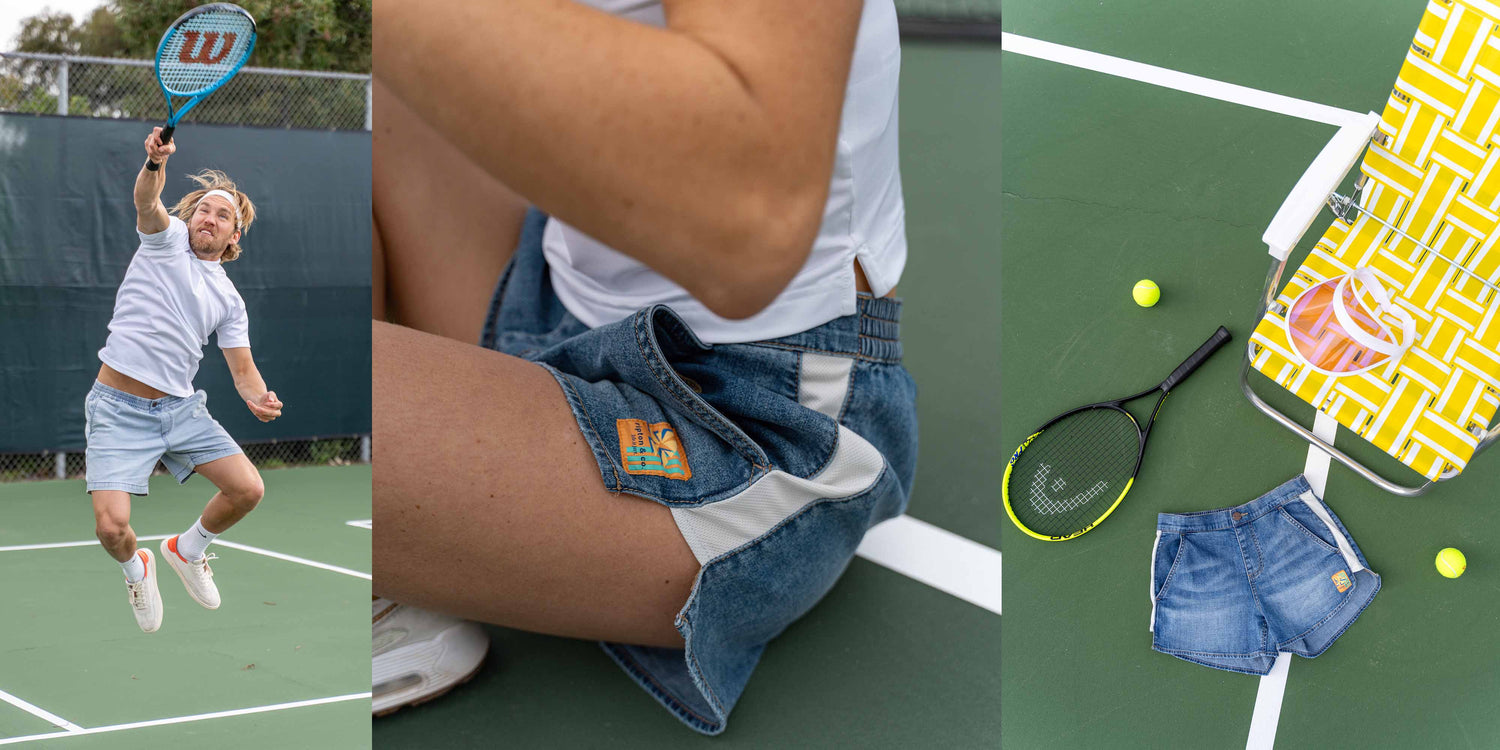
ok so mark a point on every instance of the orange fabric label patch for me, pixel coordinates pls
(1341, 581)
(652, 449)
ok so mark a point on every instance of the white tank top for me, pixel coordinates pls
(168, 304)
(863, 220)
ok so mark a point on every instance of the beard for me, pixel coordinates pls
(204, 245)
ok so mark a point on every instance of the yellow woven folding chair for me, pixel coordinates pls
(1425, 218)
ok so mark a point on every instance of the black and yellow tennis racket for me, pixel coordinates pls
(1074, 470)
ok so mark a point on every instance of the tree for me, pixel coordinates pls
(326, 35)
(297, 34)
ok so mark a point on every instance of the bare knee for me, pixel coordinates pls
(112, 530)
(246, 495)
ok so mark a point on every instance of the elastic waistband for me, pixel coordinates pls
(1228, 518)
(873, 332)
(115, 394)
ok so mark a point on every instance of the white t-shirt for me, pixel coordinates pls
(864, 218)
(168, 304)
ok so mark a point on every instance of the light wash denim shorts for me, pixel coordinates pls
(774, 457)
(128, 434)
(1232, 587)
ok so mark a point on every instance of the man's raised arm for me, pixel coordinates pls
(150, 214)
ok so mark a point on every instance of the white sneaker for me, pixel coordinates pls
(145, 597)
(419, 655)
(197, 577)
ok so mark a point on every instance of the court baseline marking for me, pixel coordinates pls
(40, 713)
(939, 558)
(78, 731)
(72, 729)
(1177, 80)
(221, 542)
(1268, 696)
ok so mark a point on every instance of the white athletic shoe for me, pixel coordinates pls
(419, 655)
(145, 597)
(197, 577)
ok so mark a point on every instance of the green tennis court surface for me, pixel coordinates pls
(885, 660)
(1109, 180)
(284, 660)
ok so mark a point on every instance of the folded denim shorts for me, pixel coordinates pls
(774, 457)
(128, 434)
(1230, 588)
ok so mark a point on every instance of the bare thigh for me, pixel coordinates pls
(488, 502)
(446, 228)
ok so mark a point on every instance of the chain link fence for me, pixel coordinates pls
(338, 451)
(972, 20)
(80, 86)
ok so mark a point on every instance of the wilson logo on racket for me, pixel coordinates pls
(652, 449)
(204, 54)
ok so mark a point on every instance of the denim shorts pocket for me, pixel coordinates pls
(1166, 558)
(88, 415)
(661, 337)
(1310, 524)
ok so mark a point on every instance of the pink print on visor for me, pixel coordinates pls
(1332, 330)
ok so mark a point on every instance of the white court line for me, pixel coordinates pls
(1272, 688)
(61, 545)
(365, 524)
(221, 542)
(40, 713)
(292, 558)
(1172, 79)
(939, 558)
(928, 554)
(184, 719)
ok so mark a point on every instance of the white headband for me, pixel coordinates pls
(226, 196)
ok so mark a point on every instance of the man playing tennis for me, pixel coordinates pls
(143, 407)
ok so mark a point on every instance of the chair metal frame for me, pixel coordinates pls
(1316, 188)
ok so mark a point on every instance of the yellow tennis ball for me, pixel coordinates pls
(1451, 563)
(1146, 293)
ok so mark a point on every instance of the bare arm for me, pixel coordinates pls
(150, 214)
(703, 150)
(251, 387)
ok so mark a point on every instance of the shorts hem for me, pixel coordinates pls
(621, 656)
(1217, 661)
(183, 476)
(133, 488)
(1291, 644)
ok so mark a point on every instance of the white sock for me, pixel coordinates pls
(192, 543)
(135, 568)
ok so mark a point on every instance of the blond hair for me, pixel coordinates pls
(213, 179)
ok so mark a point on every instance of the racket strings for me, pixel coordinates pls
(203, 50)
(1074, 471)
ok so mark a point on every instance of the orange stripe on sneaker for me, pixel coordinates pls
(146, 561)
(172, 545)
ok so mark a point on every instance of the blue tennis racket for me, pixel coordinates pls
(202, 50)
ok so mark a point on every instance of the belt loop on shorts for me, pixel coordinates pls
(880, 328)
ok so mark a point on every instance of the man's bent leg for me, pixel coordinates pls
(240, 490)
(112, 526)
(112, 523)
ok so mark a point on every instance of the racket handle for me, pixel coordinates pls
(1197, 358)
(166, 137)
